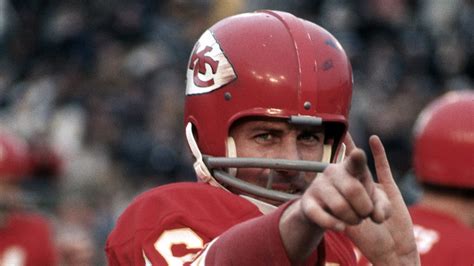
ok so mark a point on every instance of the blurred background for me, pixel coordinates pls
(96, 89)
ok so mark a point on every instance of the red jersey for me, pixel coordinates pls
(198, 224)
(26, 240)
(441, 239)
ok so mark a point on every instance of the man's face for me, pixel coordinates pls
(277, 139)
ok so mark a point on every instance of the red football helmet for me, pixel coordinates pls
(14, 160)
(444, 141)
(263, 64)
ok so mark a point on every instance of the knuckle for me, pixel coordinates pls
(365, 211)
(330, 170)
(327, 223)
(353, 219)
(352, 190)
(339, 208)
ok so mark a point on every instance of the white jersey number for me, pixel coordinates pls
(13, 256)
(184, 236)
(425, 238)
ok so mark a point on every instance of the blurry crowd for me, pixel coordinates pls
(96, 88)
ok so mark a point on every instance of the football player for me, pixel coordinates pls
(26, 238)
(444, 165)
(267, 103)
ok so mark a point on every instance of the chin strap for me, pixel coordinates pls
(200, 167)
(231, 153)
(327, 153)
(341, 154)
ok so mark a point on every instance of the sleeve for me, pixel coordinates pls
(254, 242)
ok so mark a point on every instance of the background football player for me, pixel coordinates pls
(444, 165)
(26, 238)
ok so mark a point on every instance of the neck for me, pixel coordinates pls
(457, 207)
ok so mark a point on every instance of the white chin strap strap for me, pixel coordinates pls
(231, 152)
(200, 167)
(341, 154)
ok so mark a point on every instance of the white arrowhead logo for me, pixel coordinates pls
(208, 67)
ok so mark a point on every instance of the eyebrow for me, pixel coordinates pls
(271, 130)
(265, 125)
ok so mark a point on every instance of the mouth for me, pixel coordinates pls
(287, 188)
(291, 185)
(294, 184)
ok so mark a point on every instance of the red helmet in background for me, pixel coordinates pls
(444, 141)
(14, 158)
(264, 64)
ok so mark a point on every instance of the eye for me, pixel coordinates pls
(264, 137)
(310, 138)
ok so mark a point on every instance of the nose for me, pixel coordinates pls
(289, 151)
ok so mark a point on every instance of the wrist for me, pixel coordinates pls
(297, 231)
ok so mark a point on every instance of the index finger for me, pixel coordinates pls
(356, 163)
